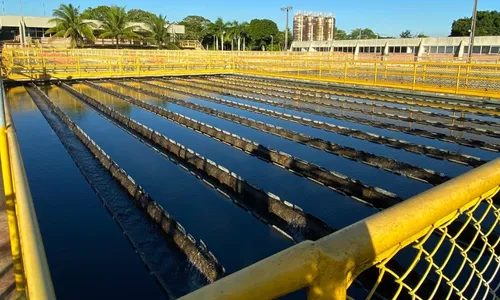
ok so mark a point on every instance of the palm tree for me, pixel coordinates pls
(238, 30)
(69, 23)
(116, 25)
(220, 29)
(158, 27)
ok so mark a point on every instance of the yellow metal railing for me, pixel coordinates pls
(28, 254)
(459, 78)
(191, 44)
(475, 79)
(440, 244)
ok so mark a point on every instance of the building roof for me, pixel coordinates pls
(432, 41)
(44, 22)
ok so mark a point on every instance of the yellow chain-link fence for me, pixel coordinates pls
(477, 79)
(441, 244)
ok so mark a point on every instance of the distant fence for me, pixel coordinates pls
(475, 79)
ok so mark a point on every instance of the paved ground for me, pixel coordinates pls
(7, 284)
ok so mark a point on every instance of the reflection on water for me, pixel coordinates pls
(235, 237)
(412, 158)
(369, 175)
(88, 255)
(80, 233)
(313, 198)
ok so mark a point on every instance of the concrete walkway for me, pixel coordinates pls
(7, 283)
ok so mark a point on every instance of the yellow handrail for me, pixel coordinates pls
(457, 77)
(329, 266)
(34, 261)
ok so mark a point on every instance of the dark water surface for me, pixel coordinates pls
(313, 198)
(88, 255)
(235, 237)
(93, 234)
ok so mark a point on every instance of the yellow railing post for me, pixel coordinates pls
(458, 79)
(414, 76)
(467, 76)
(44, 66)
(120, 64)
(345, 71)
(375, 74)
(424, 72)
(320, 63)
(78, 67)
(10, 201)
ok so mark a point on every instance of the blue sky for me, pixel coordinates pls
(387, 17)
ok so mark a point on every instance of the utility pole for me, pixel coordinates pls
(473, 29)
(272, 43)
(22, 33)
(287, 9)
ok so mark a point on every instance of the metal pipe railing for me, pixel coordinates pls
(328, 266)
(15, 245)
(34, 261)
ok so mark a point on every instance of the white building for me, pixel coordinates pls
(23, 29)
(418, 47)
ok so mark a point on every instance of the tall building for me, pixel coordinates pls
(313, 26)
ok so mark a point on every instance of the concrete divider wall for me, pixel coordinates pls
(379, 124)
(283, 159)
(426, 100)
(395, 143)
(332, 104)
(265, 206)
(351, 187)
(316, 97)
(195, 251)
(387, 164)
(341, 183)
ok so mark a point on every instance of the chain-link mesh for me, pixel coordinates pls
(457, 258)
(481, 79)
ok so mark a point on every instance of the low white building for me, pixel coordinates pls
(22, 29)
(419, 47)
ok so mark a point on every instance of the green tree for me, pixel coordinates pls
(279, 40)
(340, 35)
(139, 15)
(219, 29)
(158, 29)
(362, 34)
(488, 23)
(97, 13)
(237, 31)
(422, 35)
(197, 27)
(406, 34)
(116, 25)
(70, 24)
(260, 32)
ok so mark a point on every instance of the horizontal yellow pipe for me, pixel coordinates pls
(38, 279)
(15, 244)
(329, 265)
